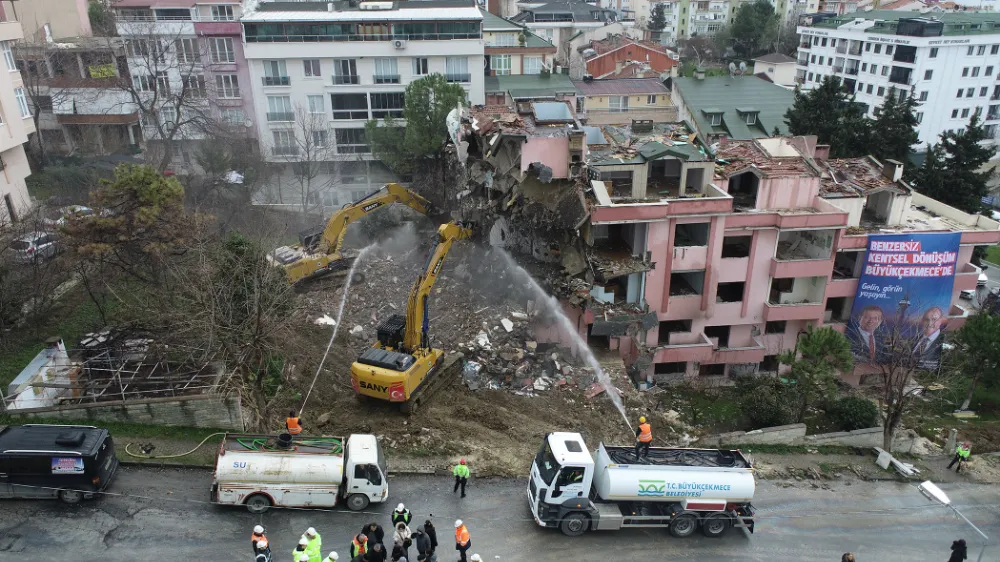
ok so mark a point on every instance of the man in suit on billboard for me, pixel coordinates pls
(865, 335)
(928, 344)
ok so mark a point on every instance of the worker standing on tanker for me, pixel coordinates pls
(461, 472)
(463, 541)
(292, 423)
(643, 437)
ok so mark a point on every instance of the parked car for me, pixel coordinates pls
(34, 246)
(967, 294)
(68, 212)
(983, 279)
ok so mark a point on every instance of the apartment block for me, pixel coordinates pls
(738, 252)
(15, 121)
(561, 21)
(951, 62)
(512, 49)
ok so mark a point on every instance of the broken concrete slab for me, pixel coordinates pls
(507, 324)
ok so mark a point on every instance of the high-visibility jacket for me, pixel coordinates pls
(963, 453)
(314, 548)
(358, 548)
(645, 433)
(297, 554)
(403, 516)
(461, 471)
(292, 424)
(462, 536)
(254, 537)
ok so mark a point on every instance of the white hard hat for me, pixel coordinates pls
(303, 557)
(458, 523)
(258, 529)
(400, 507)
(476, 558)
(303, 541)
(333, 556)
(311, 532)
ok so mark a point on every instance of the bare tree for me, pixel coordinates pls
(306, 143)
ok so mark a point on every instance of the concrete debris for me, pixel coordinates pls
(483, 341)
(357, 331)
(507, 325)
(325, 320)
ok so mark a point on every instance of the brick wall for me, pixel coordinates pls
(207, 411)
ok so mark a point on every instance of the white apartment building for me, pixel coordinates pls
(324, 69)
(950, 61)
(15, 122)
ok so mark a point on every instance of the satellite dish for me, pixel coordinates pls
(732, 68)
(743, 67)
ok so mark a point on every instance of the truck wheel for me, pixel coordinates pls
(683, 525)
(357, 502)
(574, 524)
(258, 503)
(70, 497)
(715, 525)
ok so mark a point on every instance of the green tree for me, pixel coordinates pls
(965, 154)
(658, 19)
(754, 28)
(895, 128)
(979, 351)
(931, 177)
(427, 103)
(833, 115)
(820, 354)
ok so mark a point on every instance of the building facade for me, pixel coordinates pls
(950, 61)
(15, 114)
(513, 49)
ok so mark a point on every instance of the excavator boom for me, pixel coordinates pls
(415, 335)
(319, 252)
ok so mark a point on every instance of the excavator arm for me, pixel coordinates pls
(415, 334)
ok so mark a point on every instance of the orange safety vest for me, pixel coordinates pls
(462, 536)
(358, 547)
(645, 433)
(293, 426)
(255, 537)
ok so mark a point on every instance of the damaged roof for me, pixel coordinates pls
(736, 157)
(854, 177)
(643, 142)
(546, 119)
(724, 94)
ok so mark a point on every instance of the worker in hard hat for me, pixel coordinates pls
(463, 541)
(300, 549)
(476, 558)
(292, 423)
(262, 550)
(314, 544)
(461, 472)
(258, 533)
(962, 453)
(304, 557)
(643, 437)
(333, 557)
(401, 514)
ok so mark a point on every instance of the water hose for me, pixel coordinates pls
(144, 456)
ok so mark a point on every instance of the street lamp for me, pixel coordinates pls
(933, 493)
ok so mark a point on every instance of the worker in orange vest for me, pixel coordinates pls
(463, 541)
(258, 533)
(292, 423)
(643, 437)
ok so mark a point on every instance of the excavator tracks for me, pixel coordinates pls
(442, 376)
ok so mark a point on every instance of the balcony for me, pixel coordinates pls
(280, 116)
(285, 150)
(805, 45)
(276, 81)
(683, 347)
(458, 77)
(753, 352)
(385, 79)
(838, 68)
(842, 47)
(803, 62)
(851, 70)
(345, 79)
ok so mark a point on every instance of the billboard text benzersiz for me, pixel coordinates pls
(903, 298)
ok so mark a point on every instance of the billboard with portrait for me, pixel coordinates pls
(903, 297)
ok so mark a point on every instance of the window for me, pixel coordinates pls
(870, 89)
(618, 104)
(227, 86)
(954, 114)
(823, 43)
(983, 91)
(878, 49)
(975, 72)
(349, 106)
(386, 71)
(750, 118)
(934, 52)
(885, 70)
(345, 71)
(187, 51)
(920, 117)
(233, 116)
(960, 92)
(532, 65)
(874, 69)
(812, 58)
(650, 100)
(319, 139)
(923, 96)
(868, 46)
(981, 50)
(315, 104)
(500, 64)
(351, 141)
(965, 72)
(420, 67)
(777, 327)
(965, 113)
(888, 49)
(275, 73)
(989, 71)
(881, 92)
(137, 48)
(456, 69)
(279, 108)
(195, 85)
(810, 76)
(864, 67)
(222, 49)
(144, 83)
(222, 13)
(22, 102)
(821, 60)
(8, 55)
(162, 82)
(715, 119)
(388, 104)
(969, 92)
(311, 68)
(284, 143)
(969, 51)
(815, 41)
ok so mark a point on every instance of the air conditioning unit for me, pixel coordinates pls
(399, 43)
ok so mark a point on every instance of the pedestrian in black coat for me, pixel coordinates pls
(431, 534)
(958, 551)
(375, 535)
(376, 554)
(422, 541)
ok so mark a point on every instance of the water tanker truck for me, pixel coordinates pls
(677, 488)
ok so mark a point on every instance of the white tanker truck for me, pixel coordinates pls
(680, 489)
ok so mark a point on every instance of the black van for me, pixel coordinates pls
(69, 462)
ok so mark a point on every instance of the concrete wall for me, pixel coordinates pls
(795, 434)
(208, 411)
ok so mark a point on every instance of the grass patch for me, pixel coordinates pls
(993, 254)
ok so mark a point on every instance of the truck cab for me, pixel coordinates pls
(366, 474)
(561, 476)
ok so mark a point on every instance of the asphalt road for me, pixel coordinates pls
(162, 514)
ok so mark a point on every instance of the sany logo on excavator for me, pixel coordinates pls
(371, 206)
(396, 390)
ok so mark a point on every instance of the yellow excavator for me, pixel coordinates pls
(401, 366)
(319, 251)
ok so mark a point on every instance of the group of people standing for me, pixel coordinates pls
(369, 544)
